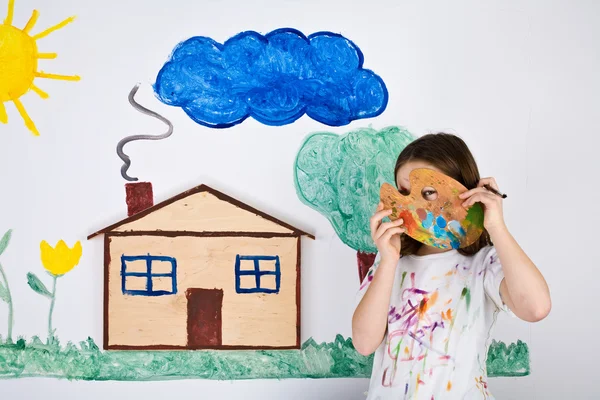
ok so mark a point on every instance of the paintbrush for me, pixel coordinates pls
(497, 193)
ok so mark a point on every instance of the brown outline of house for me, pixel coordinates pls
(109, 232)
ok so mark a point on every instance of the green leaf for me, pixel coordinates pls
(37, 285)
(4, 241)
(3, 293)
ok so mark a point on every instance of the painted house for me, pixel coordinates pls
(200, 271)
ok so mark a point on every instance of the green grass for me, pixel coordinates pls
(337, 359)
(512, 360)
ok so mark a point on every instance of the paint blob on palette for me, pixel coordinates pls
(433, 213)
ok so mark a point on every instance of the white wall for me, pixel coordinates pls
(519, 80)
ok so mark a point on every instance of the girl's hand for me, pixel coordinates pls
(492, 203)
(386, 235)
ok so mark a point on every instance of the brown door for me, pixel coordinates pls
(204, 317)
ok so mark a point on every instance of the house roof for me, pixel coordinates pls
(199, 189)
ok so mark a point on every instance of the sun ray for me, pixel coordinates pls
(30, 24)
(54, 28)
(3, 115)
(39, 91)
(42, 74)
(11, 10)
(28, 122)
(46, 55)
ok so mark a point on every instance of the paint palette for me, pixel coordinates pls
(433, 213)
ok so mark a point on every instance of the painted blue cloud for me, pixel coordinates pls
(275, 78)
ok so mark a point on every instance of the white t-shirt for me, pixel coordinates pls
(442, 310)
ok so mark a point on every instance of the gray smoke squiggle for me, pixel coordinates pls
(123, 142)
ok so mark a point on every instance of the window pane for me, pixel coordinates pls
(162, 283)
(247, 282)
(136, 266)
(246, 265)
(268, 282)
(266, 265)
(161, 267)
(135, 282)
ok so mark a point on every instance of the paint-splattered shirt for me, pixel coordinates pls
(442, 310)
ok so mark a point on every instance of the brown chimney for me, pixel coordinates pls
(139, 197)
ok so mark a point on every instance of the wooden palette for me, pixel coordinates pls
(441, 222)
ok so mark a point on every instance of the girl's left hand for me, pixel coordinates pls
(492, 203)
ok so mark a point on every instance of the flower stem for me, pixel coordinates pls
(10, 305)
(50, 335)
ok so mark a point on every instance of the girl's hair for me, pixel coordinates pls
(449, 154)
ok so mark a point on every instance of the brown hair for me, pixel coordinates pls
(449, 154)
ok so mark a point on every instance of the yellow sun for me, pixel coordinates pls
(18, 63)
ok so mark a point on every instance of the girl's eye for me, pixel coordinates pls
(429, 194)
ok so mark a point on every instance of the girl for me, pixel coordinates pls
(427, 313)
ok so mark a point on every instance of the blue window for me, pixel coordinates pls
(257, 274)
(148, 275)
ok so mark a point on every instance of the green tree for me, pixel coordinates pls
(340, 176)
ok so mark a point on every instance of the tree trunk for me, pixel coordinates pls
(365, 262)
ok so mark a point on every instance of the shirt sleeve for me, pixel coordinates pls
(364, 285)
(493, 276)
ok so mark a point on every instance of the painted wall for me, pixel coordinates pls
(518, 80)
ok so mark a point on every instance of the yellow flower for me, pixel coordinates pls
(60, 259)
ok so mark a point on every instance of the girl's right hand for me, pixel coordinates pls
(386, 235)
